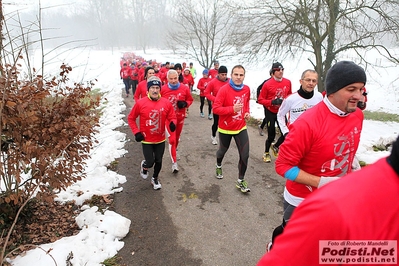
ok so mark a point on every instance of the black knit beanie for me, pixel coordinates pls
(153, 81)
(393, 159)
(343, 74)
(222, 69)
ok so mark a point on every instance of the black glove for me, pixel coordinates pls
(139, 137)
(128, 78)
(181, 104)
(277, 101)
(361, 105)
(172, 126)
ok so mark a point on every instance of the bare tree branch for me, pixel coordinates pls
(321, 29)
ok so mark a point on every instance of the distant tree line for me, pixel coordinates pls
(207, 30)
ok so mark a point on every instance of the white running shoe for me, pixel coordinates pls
(269, 247)
(175, 168)
(214, 140)
(155, 184)
(143, 171)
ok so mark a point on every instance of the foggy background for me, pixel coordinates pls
(116, 24)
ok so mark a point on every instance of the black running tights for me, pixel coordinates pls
(242, 142)
(153, 154)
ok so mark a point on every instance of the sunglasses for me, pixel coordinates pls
(278, 69)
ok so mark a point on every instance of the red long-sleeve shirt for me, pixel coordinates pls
(213, 87)
(141, 91)
(231, 122)
(356, 207)
(202, 84)
(213, 73)
(180, 94)
(273, 89)
(153, 115)
(125, 72)
(320, 143)
(188, 80)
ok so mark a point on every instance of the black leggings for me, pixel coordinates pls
(264, 121)
(202, 99)
(271, 119)
(242, 142)
(215, 124)
(134, 83)
(288, 210)
(153, 154)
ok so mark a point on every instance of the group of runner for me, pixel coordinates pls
(319, 136)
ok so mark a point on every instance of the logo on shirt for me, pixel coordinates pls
(344, 150)
(153, 123)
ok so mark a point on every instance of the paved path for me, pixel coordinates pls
(196, 219)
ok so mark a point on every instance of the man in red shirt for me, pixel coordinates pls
(125, 74)
(153, 112)
(202, 83)
(271, 96)
(211, 91)
(359, 207)
(134, 77)
(323, 141)
(180, 97)
(215, 70)
(232, 106)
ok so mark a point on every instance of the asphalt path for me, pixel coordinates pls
(196, 219)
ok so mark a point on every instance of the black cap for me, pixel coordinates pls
(277, 66)
(343, 74)
(222, 69)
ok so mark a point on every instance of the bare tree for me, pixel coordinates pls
(320, 29)
(147, 19)
(203, 30)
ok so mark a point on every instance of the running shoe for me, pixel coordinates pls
(219, 173)
(143, 171)
(275, 150)
(202, 115)
(266, 157)
(260, 130)
(175, 168)
(242, 185)
(214, 140)
(210, 116)
(155, 183)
